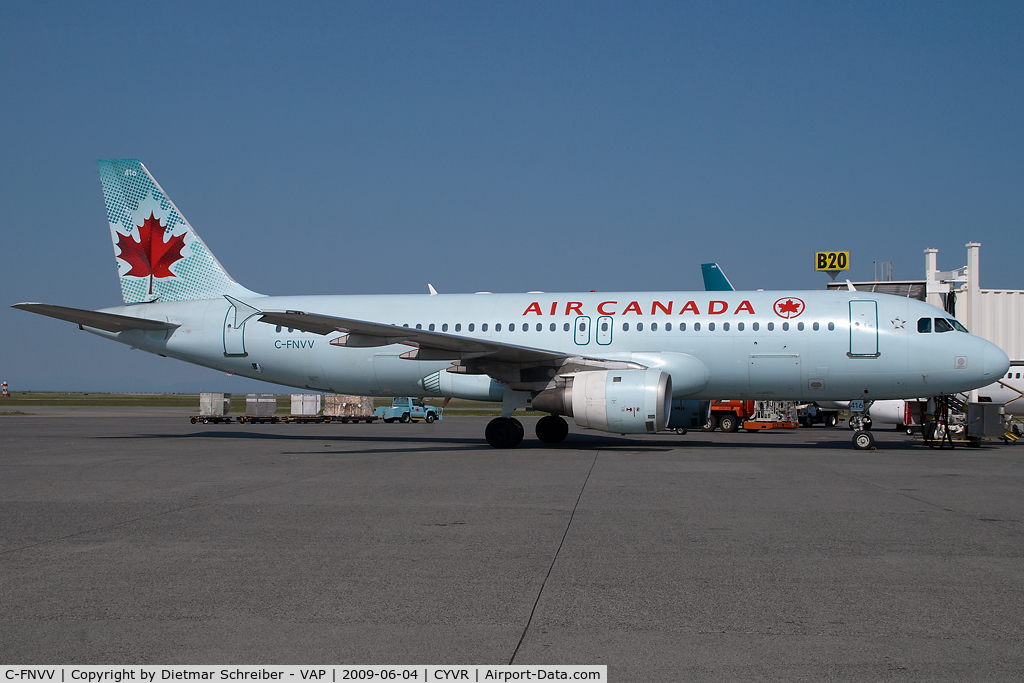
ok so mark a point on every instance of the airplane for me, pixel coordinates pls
(611, 361)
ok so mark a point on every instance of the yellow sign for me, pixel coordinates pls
(832, 260)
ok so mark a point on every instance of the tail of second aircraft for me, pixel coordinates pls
(159, 256)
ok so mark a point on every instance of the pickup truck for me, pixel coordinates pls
(407, 409)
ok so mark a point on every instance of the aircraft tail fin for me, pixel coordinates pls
(159, 256)
(715, 279)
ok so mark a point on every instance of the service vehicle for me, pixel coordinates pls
(408, 409)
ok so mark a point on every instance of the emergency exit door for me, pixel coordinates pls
(583, 330)
(864, 329)
(604, 330)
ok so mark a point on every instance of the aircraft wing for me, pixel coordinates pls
(429, 345)
(110, 322)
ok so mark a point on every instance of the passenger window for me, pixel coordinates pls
(604, 327)
(419, 326)
(725, 326)
(696, 327)
(458, 327)
(583, 327)
(472, 326)
(831, 327)
(800, 326)
(771, 326)
(511, 327)
(942, 325)
(497, 327)
(431, 327)
(682, 327)
(785, 327)
(565, 327)
(552, 327)
(814, 327)
(483, 327)
(444, 327)
(539, 327)
(924, 325)
(668, 327)
(1018, 375)
(639, 327)
(277, 329)
(654, 327)
(739, 326)
(625, 327)
(711, 327)
(756, 326)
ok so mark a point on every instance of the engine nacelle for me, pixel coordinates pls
(620, 401)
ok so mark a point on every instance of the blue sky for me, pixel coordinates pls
(356, 148)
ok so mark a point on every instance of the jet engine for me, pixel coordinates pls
(620, 401)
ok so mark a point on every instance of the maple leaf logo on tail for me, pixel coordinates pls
(151, 256)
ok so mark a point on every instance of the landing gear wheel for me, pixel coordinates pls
(519, 426)
(430, 418)
(710, 425)
(405, 419)
(552, 429)
(729, 423)
(504, 432)
(863, 440)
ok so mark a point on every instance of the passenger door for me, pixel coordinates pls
(864, 329)
(234, 330)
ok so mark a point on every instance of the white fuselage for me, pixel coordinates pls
(833, 345)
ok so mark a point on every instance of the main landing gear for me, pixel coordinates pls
(552, 429)
(504, 432)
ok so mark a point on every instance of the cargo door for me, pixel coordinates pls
(314, 377)
(774, 375)
(864, 329)
(234, 330)
(604, 330)
(583, 330)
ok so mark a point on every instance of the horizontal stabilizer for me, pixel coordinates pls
(715, 279)
(109, 322)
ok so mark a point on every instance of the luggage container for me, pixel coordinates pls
(213, 407)
(348, 408)
(260, 408)
(305, 408)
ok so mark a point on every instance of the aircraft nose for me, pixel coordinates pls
(994, 362)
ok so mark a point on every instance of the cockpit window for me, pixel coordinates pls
(924, 325)
(956, 325)
(942, 325)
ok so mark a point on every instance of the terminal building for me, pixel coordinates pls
(994, 314)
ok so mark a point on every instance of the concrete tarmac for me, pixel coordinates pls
(133, 536)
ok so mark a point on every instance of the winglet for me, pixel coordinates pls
(715, 279)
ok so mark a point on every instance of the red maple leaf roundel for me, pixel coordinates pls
(150, 256)
(788, 307)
